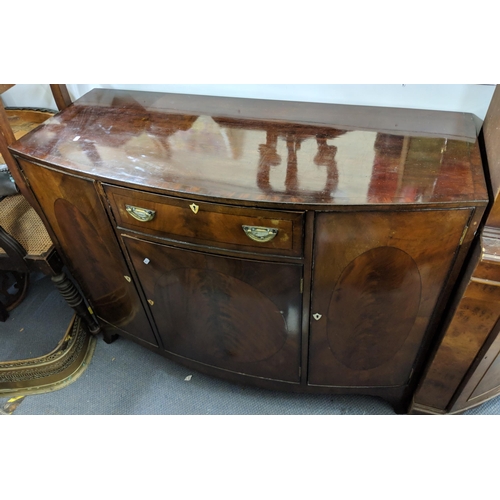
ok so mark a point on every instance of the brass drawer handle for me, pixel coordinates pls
(260, 234)
(141, 214)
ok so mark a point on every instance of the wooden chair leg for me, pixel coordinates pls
(75, 300)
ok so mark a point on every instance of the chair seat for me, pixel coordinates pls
(20, 220)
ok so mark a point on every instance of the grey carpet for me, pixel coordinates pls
(36, 326)
(126, 379)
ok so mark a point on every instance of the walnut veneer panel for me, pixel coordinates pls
(484, 382)
(473, 320)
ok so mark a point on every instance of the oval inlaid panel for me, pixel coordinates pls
(206, 314)
(80, 237)
(104, 278)
(373, 308)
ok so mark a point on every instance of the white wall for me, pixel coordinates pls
(464, 98)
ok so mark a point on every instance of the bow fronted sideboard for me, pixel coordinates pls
(292, 246)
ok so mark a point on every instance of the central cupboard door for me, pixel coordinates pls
(376, 281)
(236, 314)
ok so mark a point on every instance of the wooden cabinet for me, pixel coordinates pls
(292, 246)
(484, 381)
(464, 370)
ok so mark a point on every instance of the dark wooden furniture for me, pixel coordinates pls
(464, 370)
(292, 246)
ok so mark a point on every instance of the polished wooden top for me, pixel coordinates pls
(270, 152)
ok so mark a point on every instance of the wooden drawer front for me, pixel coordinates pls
(208, 223)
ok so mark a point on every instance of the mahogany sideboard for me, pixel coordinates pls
(292, 246)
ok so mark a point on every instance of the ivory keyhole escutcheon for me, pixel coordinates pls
(317, 316)
(194, 207)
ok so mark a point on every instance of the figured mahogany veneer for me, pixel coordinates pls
(293, 246)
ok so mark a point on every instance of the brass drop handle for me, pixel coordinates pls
(140, 214)
(259, 233)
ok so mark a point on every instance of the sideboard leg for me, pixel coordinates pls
(109, 337)
(3, 313)
(400, 408)
(73, 297)
(400, 404)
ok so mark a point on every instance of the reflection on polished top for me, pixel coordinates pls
(264, 151)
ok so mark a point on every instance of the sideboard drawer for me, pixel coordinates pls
(236, 228)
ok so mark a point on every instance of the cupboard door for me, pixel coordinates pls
(377, 278)
(239, 315)
(84, 234)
